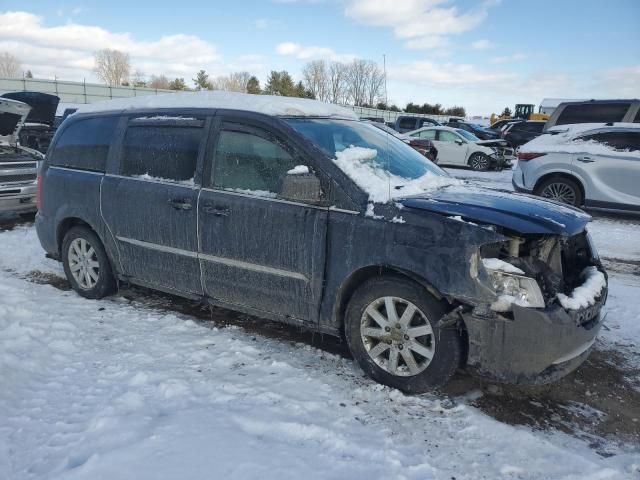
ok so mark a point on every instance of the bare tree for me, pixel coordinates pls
(336, 78)
(357, 79)
(234, 82)
(139, 78)
(316, 79)
(375, 84)
(112, 66)
(160, 81)
(9, 65)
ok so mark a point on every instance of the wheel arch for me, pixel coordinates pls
(557, 174)
(358, 277)
(475, 152)
(67, 224)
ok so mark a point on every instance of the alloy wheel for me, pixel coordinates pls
(397, 336)
(479, 162)
(83, 263)
(560, 192)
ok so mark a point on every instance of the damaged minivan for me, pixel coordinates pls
(296, 211)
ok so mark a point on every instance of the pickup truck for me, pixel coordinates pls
(18, 165)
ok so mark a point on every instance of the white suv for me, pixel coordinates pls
(595, 165)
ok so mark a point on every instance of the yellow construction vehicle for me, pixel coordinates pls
(522, 110)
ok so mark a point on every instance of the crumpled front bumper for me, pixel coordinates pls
(501, 161)
(536, 346)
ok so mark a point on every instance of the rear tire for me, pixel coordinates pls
(479, 162)
(561, 189)
(403, 348)
(86, 264)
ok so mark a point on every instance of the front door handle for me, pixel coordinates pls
(180, 204)
(216, 210)
(586, 159)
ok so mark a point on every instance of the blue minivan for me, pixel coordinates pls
(296, 211)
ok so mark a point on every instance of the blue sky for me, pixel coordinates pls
(483, 55)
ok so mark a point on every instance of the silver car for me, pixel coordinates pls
(591, 165)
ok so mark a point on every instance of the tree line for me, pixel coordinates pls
(358, 82)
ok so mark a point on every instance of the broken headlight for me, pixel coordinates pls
(512, 288)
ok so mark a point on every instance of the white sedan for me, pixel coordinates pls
(459, 148)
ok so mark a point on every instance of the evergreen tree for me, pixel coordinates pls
(253, 86)
(202, 80)
(280, 83)
(177, 84)
(28, 74)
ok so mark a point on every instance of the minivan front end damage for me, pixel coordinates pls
(540, 307)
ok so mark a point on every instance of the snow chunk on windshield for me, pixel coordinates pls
(586, 294)
(360, 165)
(298, 170)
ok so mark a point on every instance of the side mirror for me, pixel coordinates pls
(301, 187)
(459, 142)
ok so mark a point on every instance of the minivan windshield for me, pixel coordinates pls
(391, 155)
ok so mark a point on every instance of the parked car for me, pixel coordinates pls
(38, 128)
(520, 133)
(595, 111)
(18, 165)
(408, 123)
(422, 145)
(596, 165)
(459, 148)
(478, 130)
(294, 210)
(500, 124)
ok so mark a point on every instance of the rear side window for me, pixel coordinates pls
(408, 123)
(250, 163)
(428, 134)
(637, 119)
(445, 136)
(85, 144)
(623, 141)
(161, 152)
(593, 113)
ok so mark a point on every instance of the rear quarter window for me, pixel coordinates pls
(621, 141)
(593, 113)
(85, 144)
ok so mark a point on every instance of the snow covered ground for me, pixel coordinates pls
(119, 389)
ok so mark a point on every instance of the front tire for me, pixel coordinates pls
(479, 162)
(391, 326)
(561, 189)
(86, 264)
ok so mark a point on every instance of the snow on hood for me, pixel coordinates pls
(359, 164)
(562, 139)
(266, 104)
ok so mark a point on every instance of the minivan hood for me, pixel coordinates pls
(515, 211)
(12, 117)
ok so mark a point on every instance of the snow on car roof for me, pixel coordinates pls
(577, 128)
(563, 139)
(266, 104)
